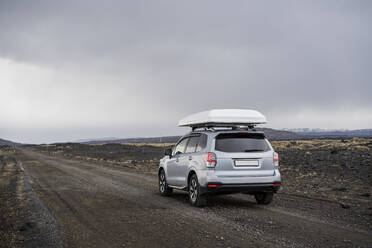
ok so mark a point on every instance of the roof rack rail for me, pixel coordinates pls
(216, 127)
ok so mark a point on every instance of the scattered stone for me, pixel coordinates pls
(345, 206)
(341, 189)
(315, 186)
(27, 226)
(334, 151)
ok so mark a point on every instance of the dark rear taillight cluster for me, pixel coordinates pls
(276, 159)
(210, 159)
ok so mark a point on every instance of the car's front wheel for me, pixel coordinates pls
(264, 197)
(195, 196)
(164, 189)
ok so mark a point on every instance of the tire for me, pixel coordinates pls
(195, 198)
(264, 198)
(164, 189)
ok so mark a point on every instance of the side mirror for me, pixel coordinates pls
(168, 152)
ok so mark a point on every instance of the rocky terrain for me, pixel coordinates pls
(24, 220)
(8, 198)
(333, 170)
(74, 195)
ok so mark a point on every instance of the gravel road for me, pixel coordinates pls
(87, 204)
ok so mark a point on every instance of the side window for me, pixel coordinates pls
(180, 148)
(202, 143)
(191, 146)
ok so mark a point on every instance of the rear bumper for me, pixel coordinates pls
(217, 187)
(236, 177)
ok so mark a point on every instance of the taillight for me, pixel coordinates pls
(276, 159)
(210, 159)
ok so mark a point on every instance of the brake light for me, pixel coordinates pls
(276, 159)
(214, 185)
(210, 159)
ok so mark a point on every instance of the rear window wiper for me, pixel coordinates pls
(253, 150)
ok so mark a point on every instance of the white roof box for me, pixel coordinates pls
(223, 118)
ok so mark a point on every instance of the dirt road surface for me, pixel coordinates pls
(84, 204)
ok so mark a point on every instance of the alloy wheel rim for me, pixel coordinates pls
(193, 190)
(162, 182)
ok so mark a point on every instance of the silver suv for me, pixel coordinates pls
(221, 161)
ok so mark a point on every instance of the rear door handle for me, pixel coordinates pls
(190, 157)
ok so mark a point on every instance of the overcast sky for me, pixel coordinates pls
(86, 69)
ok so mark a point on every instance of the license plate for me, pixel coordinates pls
(246, 163)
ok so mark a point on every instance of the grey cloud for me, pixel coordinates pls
(277, 56)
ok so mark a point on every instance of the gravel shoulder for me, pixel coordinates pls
(98, 204)
(25, 220)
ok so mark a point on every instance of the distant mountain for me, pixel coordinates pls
(332, 133)
(165, 139)
(8, 143)
(274, 134)
(271, 134)
(96, 139)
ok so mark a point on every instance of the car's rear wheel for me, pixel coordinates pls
(164, 189)
(195, 196)
(264, 197)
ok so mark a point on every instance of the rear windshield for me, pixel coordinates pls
(241, 142)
